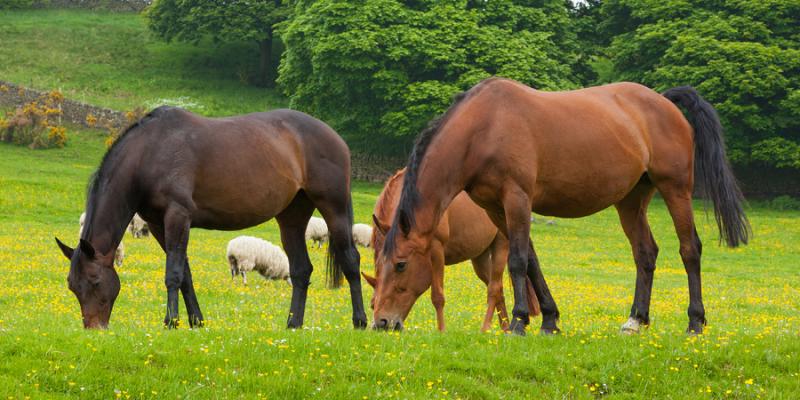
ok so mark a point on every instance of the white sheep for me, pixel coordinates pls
(138, 227)
(119, 255)
(362, 234)
(317, 230)
(247, 253)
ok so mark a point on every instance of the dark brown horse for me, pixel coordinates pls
(514, 149)
(465, 232)
(179, 170)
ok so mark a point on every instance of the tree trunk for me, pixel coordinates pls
(265, 63)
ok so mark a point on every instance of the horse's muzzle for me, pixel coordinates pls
(384, 324)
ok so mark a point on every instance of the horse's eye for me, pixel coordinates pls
(400, 267)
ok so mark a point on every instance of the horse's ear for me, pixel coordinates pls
(382, 228)
(370, 279)
(86, 248)
(66, 250)
(404, 222)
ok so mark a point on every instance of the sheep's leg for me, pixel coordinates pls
(244, 278)
(292, 222)
(186, 286)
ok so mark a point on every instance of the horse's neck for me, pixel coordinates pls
(112, 211)
(439, 181)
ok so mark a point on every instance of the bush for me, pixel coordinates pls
(785, 203)
(36, 124)
(15, 4)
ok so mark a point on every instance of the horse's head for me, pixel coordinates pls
(402, 275)
(94, 281)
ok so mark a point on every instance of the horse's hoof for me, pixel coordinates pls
(196, 322)
(631, 327)
(360, 323)
(171, 323)
(292, 324)
(549, 331)
(517, 327)
(694, 330)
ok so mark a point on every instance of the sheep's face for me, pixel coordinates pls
(401, 278)
(94, 281)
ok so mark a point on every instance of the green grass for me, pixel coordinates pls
(112, 60)
(752, 298)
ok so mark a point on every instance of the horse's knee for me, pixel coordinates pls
(691, 251)
(517, 265)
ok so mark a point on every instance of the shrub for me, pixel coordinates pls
(785, 203)
(131, 117)
(36, 124)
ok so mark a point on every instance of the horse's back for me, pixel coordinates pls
(238, 171)
(561, 145)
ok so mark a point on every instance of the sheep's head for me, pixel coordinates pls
(94, 281)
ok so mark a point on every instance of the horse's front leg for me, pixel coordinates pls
(190, 299)
(437, 284)
(176, 235)
(517, 225)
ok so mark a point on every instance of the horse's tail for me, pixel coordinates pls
(711, 166)
(337, 256)
(533, 301)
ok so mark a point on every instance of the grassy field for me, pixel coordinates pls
(751, 349)
(112, 60)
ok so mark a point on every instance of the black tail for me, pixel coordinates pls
(337, 256)
(711, 166)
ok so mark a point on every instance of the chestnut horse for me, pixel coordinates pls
(465, 232)
(179, 171)
(568, 154)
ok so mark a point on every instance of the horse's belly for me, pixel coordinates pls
(237, 207)
(574, 199)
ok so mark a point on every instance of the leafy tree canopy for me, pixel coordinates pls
(379, 70)
(743, 56)
(225, 21)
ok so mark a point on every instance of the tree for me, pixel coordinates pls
(379, 70)
(228, 21)
(743, 56)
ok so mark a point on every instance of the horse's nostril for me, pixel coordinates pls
(398, 326)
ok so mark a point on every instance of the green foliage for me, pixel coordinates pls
(743, 56)
(379, 70)
(777, 151)
(15, 4)
(785, 203)
(229, 21)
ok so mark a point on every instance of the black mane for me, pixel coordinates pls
(99, 179)
(409, 195)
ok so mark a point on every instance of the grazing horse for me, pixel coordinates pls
(179, 171)
(465, 232)
(568, 154)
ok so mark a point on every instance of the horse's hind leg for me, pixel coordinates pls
(336, 209)
(293, 221)
(483, 269)
(632, 212)
(679, 203)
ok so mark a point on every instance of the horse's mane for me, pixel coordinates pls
(383, 209)
(409, 197)
(99, 179)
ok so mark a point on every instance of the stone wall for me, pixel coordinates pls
(109, 5)
(74, 112)
(373, 168)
